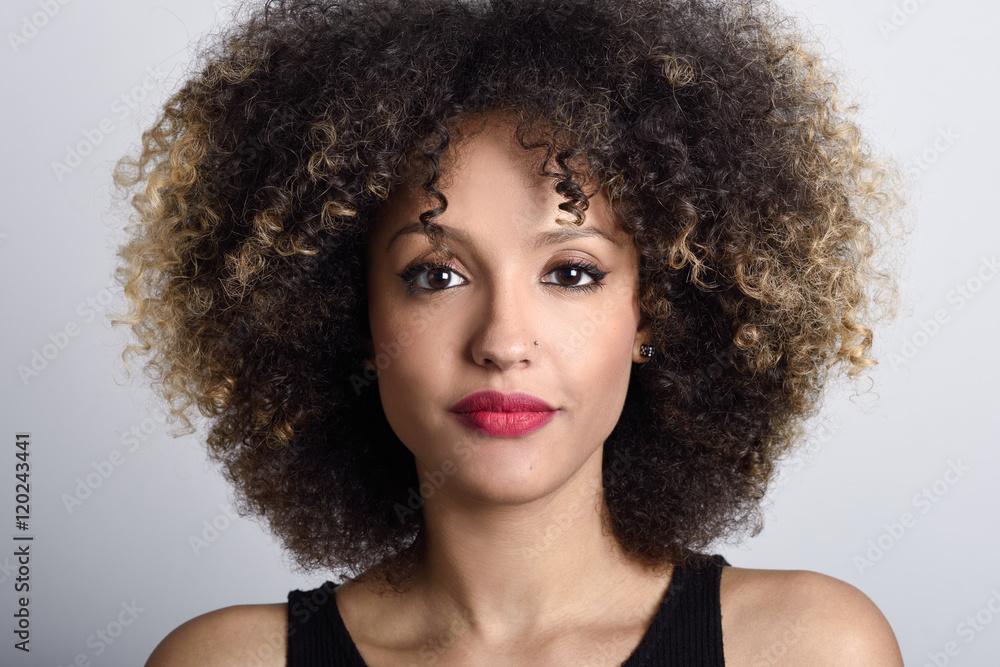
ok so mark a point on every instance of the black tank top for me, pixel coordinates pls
(686, 631)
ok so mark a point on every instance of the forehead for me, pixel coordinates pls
(485, 168)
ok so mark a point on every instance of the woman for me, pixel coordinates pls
(509, 308)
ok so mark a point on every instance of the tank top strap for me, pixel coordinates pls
(317, 636)
(687, 628)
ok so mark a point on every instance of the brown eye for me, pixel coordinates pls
(439, 278)
(436, 277)
(570, 274)
(429, 277)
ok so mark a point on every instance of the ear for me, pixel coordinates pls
(642, 337)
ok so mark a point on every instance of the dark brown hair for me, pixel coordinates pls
(758, 207)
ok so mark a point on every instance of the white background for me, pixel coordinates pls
(926, 73)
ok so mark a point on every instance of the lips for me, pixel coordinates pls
(503, 415)
(494, 401)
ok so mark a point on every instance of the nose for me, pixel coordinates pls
(509, 328)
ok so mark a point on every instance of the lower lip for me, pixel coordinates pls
(505, 424)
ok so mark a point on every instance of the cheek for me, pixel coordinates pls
(392, 330)
(394, 339)
(603, 335)
(411, 377)
(403, 336)
(597, 362)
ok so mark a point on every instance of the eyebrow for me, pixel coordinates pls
(542, 239)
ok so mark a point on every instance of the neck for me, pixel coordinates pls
(506, 571)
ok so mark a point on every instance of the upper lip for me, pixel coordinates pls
(495, 401)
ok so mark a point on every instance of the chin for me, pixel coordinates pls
(511, 477)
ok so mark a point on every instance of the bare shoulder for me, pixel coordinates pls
(798, 617)
(250, 634)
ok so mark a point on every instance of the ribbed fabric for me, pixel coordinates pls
(317, 636)
(686, 631)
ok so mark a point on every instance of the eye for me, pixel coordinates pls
(437, 277)
(429, 276)
(577, 269)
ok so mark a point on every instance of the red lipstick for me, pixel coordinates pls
(503, 415)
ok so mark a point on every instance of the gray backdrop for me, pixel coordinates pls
(134, 533)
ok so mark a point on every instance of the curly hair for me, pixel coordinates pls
(758, 207)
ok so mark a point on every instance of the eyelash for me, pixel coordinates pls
(410, 275)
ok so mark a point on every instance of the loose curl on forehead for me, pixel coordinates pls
(760, 213)
(430, 170)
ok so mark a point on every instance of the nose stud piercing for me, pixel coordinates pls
(647, 351)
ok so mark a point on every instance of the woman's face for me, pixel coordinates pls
(472, 325)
